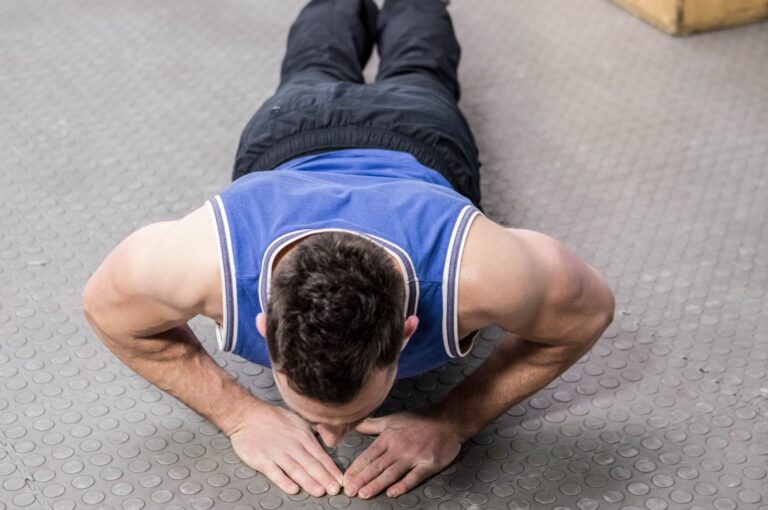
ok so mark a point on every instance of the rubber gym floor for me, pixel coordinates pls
(645, 154)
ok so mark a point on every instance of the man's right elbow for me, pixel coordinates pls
(86, 300)
(95, 314)
(93, 307)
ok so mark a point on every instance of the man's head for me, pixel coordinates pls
(335, 326)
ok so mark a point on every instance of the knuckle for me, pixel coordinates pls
(373, 451)
(425, 471)
(429, 461)
(331, 467)
(298, 475)
(353, 480)
(280, 460)
(378, 465)
(358, 467)
(320, 475)
(281, 481)
(268, 468)
(255, 463)
(427, 467)
(316, 450)
(314, 468)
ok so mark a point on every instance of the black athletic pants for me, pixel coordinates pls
(324, 104)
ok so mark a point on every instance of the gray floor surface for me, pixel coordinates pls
(646, 154)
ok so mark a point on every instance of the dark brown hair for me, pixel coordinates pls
(335, 312)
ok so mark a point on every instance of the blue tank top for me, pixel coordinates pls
(385, 196)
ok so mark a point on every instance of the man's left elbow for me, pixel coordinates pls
(603, 319)
(603, 302)
(610, 308)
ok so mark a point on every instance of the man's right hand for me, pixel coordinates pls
(281, 445)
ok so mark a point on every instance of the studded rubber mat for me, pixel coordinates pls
(646, 154)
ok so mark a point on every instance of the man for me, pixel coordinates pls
(360, 258)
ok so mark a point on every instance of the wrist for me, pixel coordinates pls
(233, 414)
(454, 423)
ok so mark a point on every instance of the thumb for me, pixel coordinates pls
(372, 426)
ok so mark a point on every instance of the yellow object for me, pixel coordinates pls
(685, 16)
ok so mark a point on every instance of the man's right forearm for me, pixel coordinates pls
(177, 363)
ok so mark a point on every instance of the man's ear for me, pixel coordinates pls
(411, 323)
(261, 324)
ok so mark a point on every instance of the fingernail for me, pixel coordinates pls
(333, 489)
(365, 493)
(340, 480)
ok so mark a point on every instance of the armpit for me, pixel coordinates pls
(466, 343)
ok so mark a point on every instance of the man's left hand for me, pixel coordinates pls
(412, 445)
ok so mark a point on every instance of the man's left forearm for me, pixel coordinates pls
(515, 370)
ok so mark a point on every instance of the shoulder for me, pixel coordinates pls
(190, 252)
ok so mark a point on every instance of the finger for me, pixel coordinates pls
(279, 478)
(317, 451)
(370, 472)
(387, 477)
(372, 426)
(411, 480)
(318, 471)
(295, 470)
(375, 450)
